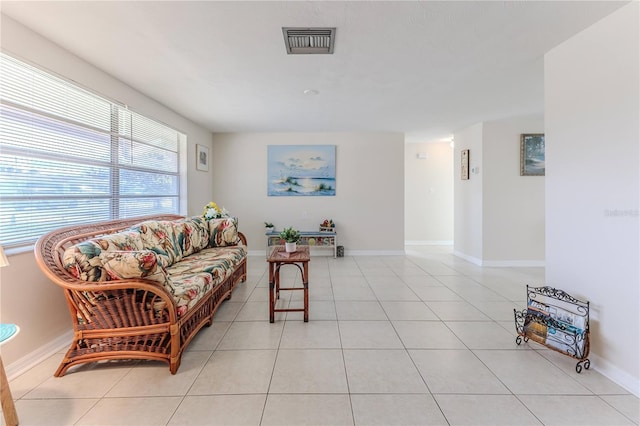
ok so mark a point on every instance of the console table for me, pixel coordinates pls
(321, 239)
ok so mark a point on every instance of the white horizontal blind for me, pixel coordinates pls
(68, 156)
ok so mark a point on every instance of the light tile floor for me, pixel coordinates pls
(420, 339)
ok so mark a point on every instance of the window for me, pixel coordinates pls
(68, 156)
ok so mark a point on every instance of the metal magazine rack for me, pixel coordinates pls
(556, 320)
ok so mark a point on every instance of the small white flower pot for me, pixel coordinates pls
(290, 247)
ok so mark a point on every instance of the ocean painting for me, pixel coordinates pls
(532, 155)
(301, 170)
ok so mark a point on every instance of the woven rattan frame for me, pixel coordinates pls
(129, 319)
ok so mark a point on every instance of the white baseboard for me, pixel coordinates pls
(513, 263)
(500, 263)
(263, 253)
(429, 243)
(329, 253)
(34, 358)
(622, 378)
(468, 258)
(374, 252)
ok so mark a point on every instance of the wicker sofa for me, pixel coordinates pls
(142, 288)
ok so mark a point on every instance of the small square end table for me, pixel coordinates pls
(278, 257)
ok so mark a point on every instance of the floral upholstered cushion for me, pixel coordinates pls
(223, 232)
(125, 241)
(83, 259)
(83, 262)
(219, 262)
(192, 277)
(159, 236)
(134, 264)
(192, 234)
(187, 290)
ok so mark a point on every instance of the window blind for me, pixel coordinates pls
(68, 156)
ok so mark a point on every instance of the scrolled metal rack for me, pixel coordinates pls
(561, 295)
(560, 336)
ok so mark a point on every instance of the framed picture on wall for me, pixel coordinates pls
(301, 170)
(532, 158)
(202, 158)
(464, 164)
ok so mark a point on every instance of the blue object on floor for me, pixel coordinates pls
(7, 331)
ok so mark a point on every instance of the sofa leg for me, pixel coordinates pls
(62, 368)
(174, 364)
(66, 362)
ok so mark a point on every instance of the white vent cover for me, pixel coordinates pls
(300, 41)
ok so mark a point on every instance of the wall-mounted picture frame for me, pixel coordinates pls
(464, 164)
(532, 154)
(301, 170)
(202, 158)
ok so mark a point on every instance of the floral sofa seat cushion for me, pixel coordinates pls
(191, 278)
(218, 262)
(160, 237)
(188, 289)
(83, 259)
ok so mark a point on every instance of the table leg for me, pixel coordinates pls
(305, 283)
(271, 301)
(306, 302)
(8, 408)
(271, 290)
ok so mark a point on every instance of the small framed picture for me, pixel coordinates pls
(202, 158)
(464, 164)
(532, 154)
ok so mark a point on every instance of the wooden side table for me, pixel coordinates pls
(278, 258)
(7, 332)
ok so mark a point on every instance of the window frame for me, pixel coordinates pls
(172, 154)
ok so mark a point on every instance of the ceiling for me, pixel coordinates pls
(425, 68)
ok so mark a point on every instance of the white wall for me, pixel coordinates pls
(368, 207)
(27, 297)
(513, 205)
(498, 214)
(467, 196)
(428, 189)
(592, 128)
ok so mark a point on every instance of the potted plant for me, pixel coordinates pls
(291, 237)
(268, 226)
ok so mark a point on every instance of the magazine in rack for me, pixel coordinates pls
(557, 320)
(561, 333)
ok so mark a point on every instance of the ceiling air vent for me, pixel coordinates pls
(300, 41)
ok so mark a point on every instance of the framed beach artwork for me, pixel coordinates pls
(532, 158)
(301, 170)
(202, 158)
